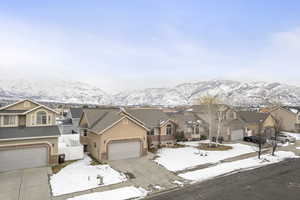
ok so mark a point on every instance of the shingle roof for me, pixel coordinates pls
(150, 117)
(100, 119)
(25, 132)
(76, 112)
(252, 117)
(13, 111)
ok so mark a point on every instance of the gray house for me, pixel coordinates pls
(74, 115)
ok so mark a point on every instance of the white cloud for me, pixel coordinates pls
(35, 50)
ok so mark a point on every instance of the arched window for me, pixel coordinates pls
(169, 129)
(41, 117)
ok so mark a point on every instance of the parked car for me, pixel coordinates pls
(284, 138)
(255, 139)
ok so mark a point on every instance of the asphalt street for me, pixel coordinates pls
(277, 181)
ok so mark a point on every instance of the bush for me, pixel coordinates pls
(179, 136)
(203, 137)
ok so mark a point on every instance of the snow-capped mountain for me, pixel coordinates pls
(230, 92)
(53, 91)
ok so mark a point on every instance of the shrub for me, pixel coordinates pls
(203, 137)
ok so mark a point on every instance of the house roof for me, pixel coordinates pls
(252, 117)
(28, 132)
(293, 109)
(150, 117)
(99, 119)
(76, 112)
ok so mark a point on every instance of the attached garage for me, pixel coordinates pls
(237, 134)
(25, 157)
(118, 150)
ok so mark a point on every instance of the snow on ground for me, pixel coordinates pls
(117, 194)
(224, 168)
(295, 135)
(298, 148)
(178, 183)
(80, 176)
(175, 159)
(70, 146)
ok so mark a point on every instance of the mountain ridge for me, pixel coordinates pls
(238, 93)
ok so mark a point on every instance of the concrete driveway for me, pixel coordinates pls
(27, 184)
(146, 173)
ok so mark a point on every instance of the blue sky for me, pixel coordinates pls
(119, 45)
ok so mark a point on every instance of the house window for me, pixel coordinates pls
(169, 129)
(95, 144)
(49, 119)
(9, 120)
(84, 132)
(151, 132)
(41, 117)
(299, 117)
(197, 130)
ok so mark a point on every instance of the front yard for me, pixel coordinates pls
(81, 175)
(177, 159)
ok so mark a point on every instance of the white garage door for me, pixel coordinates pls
(12, 159)
(237, 135)
(118, 150)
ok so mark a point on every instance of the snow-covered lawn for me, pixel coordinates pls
(117, 194)
(175, 159)
(70, 146)
(298, 148)
(295, 135)
(80, 176)
(224, 168)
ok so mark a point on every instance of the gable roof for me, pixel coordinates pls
(7, 106)
(252, 116)
(76, 112)
(150, 117)
(28, 132)
(3, 109)
(100, 120)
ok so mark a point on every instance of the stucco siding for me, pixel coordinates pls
(288, 119)
(26, 105)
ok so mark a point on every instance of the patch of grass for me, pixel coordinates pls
(214, 147)
(57, 168)
(96, 162)
(178, 146)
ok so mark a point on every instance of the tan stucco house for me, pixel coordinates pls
(162, 128)
(111, 134)
(289, 117)
(28, 135)
(255, 121)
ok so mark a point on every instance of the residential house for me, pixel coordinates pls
(289, 117)
(162, 129)
(74, 115)
(222, 120)
(28, 135)
(256, 122)
(111, 134)
(189, 125)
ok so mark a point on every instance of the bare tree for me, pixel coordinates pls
(221, 113)
(260, 139)
(209, 101)
(277, 130)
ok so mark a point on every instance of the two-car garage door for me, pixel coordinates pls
(118, 150)
(11, 159)
(237, 134)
